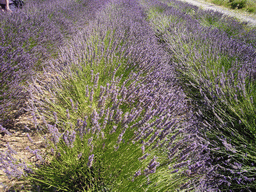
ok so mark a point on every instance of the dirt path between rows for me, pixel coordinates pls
(18, 141)
(242, 16)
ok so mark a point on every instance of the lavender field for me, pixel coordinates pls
(129, 96)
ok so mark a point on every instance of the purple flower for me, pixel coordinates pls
(143, 149)
(55, 117)
(29, 138)
(72, 103)
(4, 130)
(91, 95)
(113, 130)
(90, 160)
(79, 155)
(10, 149)
(90, 140)
(137, 173)
(144, 156)
(175, 171)
(68, 115)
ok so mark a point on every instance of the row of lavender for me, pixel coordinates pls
(235, 29)
(217, 71)
(114, 118)
(27, 38)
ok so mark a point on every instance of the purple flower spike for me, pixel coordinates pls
(143, 149)
(175, 171)
(90, 160)
(4, 130)
(137, 173)
(55, 117)
(79, 155)
(68, 116)
(29, 138)
(10, 149)
(91, 95)
(72, 103)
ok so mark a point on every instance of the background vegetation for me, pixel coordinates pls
(245, 5)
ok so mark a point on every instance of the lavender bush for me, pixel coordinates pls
(217, 73)
(28, 38)
(241, 31)
(124, 107)
(115, 118)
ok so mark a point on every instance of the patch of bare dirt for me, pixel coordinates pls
(19, 126)
(18, 141)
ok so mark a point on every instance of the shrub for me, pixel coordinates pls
(115, 118)
(29, 37)
(219, 81)
(239, 4)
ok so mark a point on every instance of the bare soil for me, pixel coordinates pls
(19, 141)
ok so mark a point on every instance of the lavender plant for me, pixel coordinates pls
(28, 38)
(241, 31)
(115, 118)
(214, 69)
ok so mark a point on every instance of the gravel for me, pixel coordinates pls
(244, 17)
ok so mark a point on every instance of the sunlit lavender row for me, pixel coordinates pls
(142, 96)
(217, 72)
(28, 37)
(121, 92)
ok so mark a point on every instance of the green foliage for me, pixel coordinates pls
(74, 93)
(114, 164)
(220, 2)
(231, 113)
(68, 172)
(245, 5)
(80, 81)
(237, 4)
